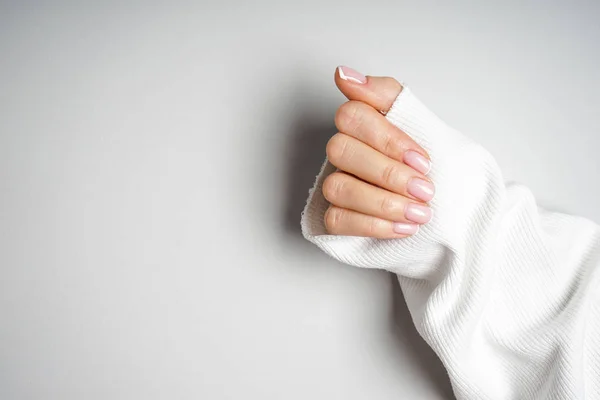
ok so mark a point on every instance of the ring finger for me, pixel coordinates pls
(355, 157)
(345, 191)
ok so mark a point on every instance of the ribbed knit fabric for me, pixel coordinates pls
(505, 293)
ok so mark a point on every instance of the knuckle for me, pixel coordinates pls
(337, 148)
(333, 218)
(374, 227)
(349, 116)
(333, 187)
(393, 84)
(389, 176)
(392, 146)
(388, 206)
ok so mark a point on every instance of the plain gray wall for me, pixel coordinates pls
(154, 160)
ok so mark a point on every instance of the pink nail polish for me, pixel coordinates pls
(418, 213)
(421, 189)
(405, 229)
(349, 74)
(417, 161)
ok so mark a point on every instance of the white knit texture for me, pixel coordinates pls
(505, 293)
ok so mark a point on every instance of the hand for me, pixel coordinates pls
(380, 189)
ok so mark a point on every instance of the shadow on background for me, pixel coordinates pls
(423, 357)
(311, 127)
(305, 153)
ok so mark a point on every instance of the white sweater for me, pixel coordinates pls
(506, 294)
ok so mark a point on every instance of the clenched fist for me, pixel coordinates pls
(380, 189)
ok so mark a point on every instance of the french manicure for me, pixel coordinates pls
(405, 229)
(417, 161)
(421, 189)
(419, 213)
(349, 74)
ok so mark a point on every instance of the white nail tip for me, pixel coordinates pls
(428, 169)
(347, 78)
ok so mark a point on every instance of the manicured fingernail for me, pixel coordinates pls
(417, 161)
(418, 213)
(421, 189)
(348, 74)
(405, 229)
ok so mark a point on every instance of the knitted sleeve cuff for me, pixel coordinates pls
(505, 294)
(468, 186)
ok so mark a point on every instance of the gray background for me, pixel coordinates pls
(154, 160)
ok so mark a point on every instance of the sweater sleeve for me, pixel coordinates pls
(505, 293)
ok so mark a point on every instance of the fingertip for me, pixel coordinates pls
(378, 92)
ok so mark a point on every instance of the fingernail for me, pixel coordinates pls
(417, 161)
(348, 74)
(405, 229)
(421, 189)
(418, 213)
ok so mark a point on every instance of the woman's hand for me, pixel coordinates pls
(381, 188)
